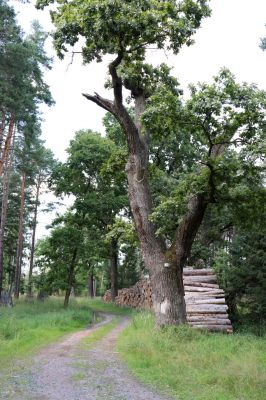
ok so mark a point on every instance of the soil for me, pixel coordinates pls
(70, 370)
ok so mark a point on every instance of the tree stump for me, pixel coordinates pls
(6, 299)
(42, 295)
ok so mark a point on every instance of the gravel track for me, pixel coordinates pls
(67, 370)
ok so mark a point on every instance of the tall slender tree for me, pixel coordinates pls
(44, 163)
(22, 89)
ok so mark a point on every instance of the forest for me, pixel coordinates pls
(174, 182)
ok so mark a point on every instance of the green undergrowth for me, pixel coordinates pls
(98, 305)
(195, 365)
(99, 333)
(30, 325)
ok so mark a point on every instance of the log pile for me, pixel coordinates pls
(205, 301)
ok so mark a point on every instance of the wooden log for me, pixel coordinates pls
(207, 308)
(201, 284)
(205, 315)
(190, 299)
(191, 271)
(207, 278)
(203, 289)
(209, 320)
(208, 323)
(209, 300)
(203, 295)
(215, 328)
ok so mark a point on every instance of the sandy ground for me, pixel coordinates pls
(70, 370)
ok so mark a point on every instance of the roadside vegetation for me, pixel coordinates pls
(99, 333)
(195, 365)
(30, 325)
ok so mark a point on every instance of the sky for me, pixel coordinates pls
(229, 38)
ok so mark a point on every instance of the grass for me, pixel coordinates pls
(30, 325)
(99, 333)
(194, 365)
(98, 305)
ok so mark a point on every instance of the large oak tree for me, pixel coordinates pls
(126, 30)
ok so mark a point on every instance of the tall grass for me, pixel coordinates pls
(28, 326)
(195, 365)
(98, 305)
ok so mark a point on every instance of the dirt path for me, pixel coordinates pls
(68, 370)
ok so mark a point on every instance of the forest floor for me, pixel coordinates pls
(82, 365)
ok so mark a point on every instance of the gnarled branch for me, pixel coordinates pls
(106, 104)
(116, 80)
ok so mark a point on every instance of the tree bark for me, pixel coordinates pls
(91, 283)
(114, 269)
(70, 277)
(20, 239)
(29, 292)
(2, 128)
(4, 207)
(165, 274)
(8, 140)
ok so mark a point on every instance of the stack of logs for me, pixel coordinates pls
(205, 301)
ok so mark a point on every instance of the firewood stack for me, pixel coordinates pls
(138, 296)
(107, 298)
(205, 301)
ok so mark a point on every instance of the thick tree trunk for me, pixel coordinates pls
(4, 206)
(20, 239)
(164, 265)
(114, 269)
(189, 227)
(71, 273)
(165, 274)
(29, 292)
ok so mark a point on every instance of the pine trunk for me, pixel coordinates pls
(4, 207)
(8, 140)
(20, 240)
(29, 292)
(2, 129)
(114, 269)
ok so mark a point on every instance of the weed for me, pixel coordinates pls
(196, 365)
